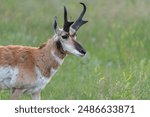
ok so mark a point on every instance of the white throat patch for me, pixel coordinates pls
(59, 60)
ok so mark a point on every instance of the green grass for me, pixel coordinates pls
(117, 38)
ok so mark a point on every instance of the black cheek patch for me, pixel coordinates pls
(58, 44)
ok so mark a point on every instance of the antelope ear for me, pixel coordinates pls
(55, 25)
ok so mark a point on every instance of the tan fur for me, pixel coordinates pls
(26, 59)
(44, 60)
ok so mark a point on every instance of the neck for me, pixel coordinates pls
(53, 46)
(56, 51)
(59, 50)
(51, 57)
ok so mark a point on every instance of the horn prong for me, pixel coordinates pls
(65, 14)
(79, 22)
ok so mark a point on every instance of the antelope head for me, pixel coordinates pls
(66, 37)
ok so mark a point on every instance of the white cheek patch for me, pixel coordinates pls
(70, 48)
(67, 46)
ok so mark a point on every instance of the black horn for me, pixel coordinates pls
(67, 24)
(79, 22)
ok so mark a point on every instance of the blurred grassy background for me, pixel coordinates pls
(116, 37)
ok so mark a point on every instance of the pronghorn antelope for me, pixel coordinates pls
(29, 69)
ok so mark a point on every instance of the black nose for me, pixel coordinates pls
(79, 48)
(82, 51)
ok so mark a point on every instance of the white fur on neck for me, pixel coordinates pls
(41, 81)
(59, 60)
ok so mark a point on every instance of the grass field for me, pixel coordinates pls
(117, 38)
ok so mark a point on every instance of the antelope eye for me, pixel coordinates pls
(65, 36)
